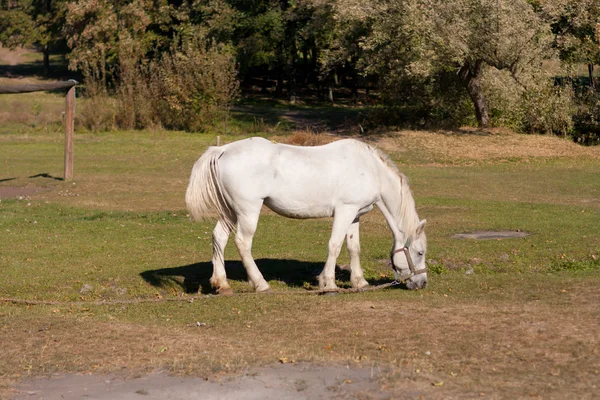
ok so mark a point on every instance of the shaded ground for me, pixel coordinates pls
(289, 381)
(27, 62)
(274, 116)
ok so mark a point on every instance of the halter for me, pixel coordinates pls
(411, 266)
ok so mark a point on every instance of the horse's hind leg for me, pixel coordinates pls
(246, 228)
(353, 244)
(219, 278)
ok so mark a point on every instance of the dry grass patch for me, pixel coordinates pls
(39, 110)
(306, 138)
(449, 346)
(468, 146)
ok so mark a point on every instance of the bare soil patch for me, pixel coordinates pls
(491, 235)
(12, 57)
(11, 192)
(289, 381)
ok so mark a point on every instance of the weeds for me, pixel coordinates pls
(575, 265)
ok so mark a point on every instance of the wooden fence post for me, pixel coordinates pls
(69, 130)
(69, 112)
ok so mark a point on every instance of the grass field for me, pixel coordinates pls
(501, 318)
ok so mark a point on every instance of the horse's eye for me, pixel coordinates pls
(421, 253)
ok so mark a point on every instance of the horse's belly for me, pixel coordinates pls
(300, 210)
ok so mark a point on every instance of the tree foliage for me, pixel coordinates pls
(430, 41)
(33, 22)
(457, 61)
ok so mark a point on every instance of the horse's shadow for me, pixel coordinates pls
(194, 278)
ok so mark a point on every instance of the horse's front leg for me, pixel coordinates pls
(343, 217)
(353, 244)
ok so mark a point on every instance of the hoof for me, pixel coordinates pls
(225, 291)
(263, 287)
(361, 286)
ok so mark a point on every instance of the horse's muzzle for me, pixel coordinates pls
(416, 282)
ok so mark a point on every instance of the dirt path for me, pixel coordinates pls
(15, 192)
(11, 57)
(288, 381)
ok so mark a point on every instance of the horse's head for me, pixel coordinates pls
(408, 261)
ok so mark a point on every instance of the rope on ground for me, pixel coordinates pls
(190, 299)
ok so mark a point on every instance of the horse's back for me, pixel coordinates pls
(297, 181)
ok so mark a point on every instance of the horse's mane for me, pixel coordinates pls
(406, 212)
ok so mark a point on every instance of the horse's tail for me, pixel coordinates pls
(204, 197)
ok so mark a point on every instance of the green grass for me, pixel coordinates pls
(52, 250)
(29, 113)
(123, 217)
(119, 231)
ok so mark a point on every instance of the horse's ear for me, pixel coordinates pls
(421, 227)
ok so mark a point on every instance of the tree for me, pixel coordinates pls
(425, 38)
(576, 25)
(33, 22)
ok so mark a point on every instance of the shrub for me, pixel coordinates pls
(548, 110)
(97, 112)
(190, 87)
(136, 108)
(308, 138)
(587, 118)
(415, 101)
(193, 85)
(536, 105)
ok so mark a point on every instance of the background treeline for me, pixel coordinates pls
(180, 64)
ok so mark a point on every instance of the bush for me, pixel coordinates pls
(193, 86)
(587, 118)
(190, 87)
(504, 99)
(548, 110)
(536, 105)
(135, 99)
(414, 101)
(97, 111)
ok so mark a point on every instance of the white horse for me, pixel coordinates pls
(343, 180)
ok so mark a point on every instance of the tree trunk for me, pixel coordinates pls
(305, 65)
(264, 84)
(469, 76)
(354, 76)
(591, 75)
(292, 78)
(46, 52)
(279, 87)
(314, 57)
